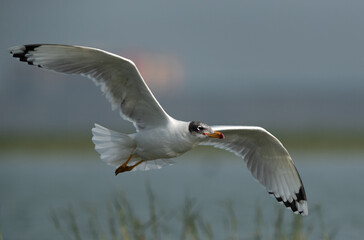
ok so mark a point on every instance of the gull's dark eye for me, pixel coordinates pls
(200, 128)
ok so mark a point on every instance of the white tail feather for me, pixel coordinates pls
(115, 148)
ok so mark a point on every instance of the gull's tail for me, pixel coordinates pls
(115, 148)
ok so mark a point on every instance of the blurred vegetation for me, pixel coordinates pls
(46, 142)
(318, 140)
(122, 222)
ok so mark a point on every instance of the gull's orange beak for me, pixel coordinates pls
(215, 135)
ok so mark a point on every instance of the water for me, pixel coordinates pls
(33, 185)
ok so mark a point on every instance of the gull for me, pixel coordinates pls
(158, 136)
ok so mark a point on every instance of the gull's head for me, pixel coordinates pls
(202, 130)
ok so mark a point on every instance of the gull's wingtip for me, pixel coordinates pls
(16, 49)
(21, 52)
(23, 48)
(298, 203)
(304, 208)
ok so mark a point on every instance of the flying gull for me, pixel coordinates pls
(158, 136)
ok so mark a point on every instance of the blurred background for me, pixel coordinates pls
(295, 68)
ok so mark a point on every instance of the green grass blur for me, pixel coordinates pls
(122, 222)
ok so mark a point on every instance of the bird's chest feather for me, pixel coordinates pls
(166, 143)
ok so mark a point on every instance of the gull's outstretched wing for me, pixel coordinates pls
(268, 161)
(118, 77)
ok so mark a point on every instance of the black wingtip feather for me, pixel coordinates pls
(301, 195)
(22, 55)
(31, 47)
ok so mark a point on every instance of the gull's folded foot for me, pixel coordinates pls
(125, 168)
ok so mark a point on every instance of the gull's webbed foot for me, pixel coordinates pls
(125, 167)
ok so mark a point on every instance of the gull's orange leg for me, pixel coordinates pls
(126, 163)
(125, 167)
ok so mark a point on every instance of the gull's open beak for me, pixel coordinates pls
(215, 135)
